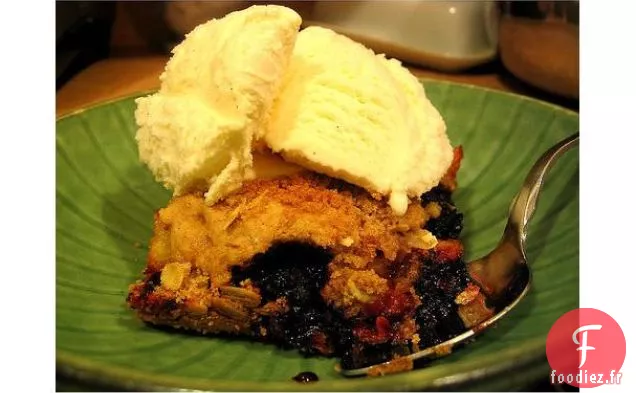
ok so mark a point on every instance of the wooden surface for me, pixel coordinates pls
(116, 77)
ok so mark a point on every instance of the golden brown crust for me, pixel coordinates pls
(395, 366)
(472, 307)
(305, 208)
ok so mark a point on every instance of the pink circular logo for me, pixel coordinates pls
(586, 349)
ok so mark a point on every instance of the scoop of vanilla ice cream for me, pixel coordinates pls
(196, 132)
(351, 114)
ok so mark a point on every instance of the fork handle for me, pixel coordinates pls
(525, 203)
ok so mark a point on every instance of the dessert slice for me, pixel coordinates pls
(313, 263)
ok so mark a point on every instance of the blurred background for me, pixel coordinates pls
(530, 47)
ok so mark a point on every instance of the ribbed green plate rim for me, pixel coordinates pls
(502, 134)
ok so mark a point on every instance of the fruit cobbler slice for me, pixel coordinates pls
(312, 263)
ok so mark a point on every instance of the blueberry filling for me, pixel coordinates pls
(450, 222)
(297, 272)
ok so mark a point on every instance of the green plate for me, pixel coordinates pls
(105, 201)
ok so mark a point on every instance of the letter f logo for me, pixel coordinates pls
(583, 344)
